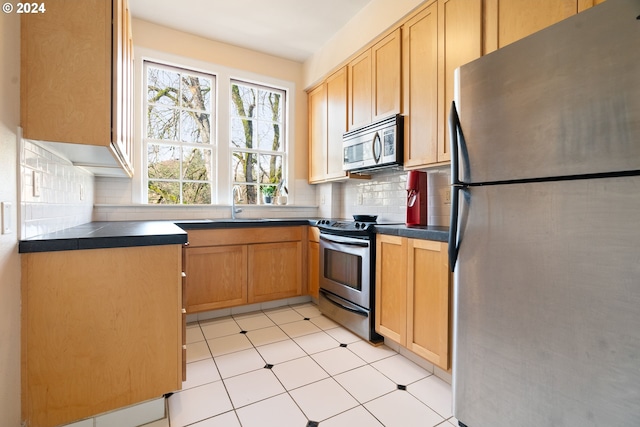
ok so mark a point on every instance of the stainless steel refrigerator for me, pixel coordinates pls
(545, 232)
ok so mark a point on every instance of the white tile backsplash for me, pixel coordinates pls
(54, 194)
(385, 195)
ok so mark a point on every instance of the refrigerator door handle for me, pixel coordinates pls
(458, 146)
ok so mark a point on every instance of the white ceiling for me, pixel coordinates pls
(292, 29)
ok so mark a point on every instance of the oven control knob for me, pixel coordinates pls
(358, 225)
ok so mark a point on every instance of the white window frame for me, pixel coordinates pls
(224, 76)
(284, 137)
(213, 124)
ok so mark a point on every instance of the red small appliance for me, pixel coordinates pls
(417, 198)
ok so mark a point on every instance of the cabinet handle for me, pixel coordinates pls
(184, 274)
(186, 244)
(184, 311)
(184, 346)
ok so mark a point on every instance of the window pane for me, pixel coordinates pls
(269, 136)
(163, 161)
(270, 169)
(162, 86)
(162, 123)
(195, 127)
(242, 133)
(248, 195)
(245, 167)
(196, 164)
(196, 193)
(166, 193)
(270, 107)
(196, 93)
(243, 101)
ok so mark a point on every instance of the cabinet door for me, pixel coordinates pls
(391, 287)
(317, 100)
(216, 277)
(104, 331)
(66, 73)
(336, 122)
(517, 19)
(275, 271)
(122, 102)
(386, 57)
(420, 81)
(460, 41)
(428, 301)
(313, 268)
(360, 90)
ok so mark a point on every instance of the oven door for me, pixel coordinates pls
(345, 268)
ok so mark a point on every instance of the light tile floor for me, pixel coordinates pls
(293, 367)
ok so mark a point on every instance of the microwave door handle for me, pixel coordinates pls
(377, 147)
(358, 244)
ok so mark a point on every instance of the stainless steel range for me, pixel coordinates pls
(347, 274)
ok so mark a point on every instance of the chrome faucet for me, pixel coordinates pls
(234, 210)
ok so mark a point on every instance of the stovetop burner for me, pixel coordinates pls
(345, 227)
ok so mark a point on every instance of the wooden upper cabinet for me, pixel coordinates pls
(420, 89)
(512, 20)
(336, 122)
(460, 41)
(76, 75)
(327, 122)
(122, 101)
(317, 101)
(386, 57)
(375, 78)
(360, 90)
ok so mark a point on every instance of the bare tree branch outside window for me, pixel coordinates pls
(178, 136)
(257, 143)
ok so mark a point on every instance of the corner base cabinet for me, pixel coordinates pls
(413, 287)
(101, 329)
(236, 266)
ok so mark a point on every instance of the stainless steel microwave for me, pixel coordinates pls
(375, 146)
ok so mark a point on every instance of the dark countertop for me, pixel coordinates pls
(200, 224)
(427, 232)
(107, 234)
(117, 234)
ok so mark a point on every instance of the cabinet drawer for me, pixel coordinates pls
(243, 236)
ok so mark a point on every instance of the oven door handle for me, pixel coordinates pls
(353, 309)
(342, 242)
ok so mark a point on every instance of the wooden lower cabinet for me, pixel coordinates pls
(428, 301)
(413, 286)
(391, 287)
(274, 271)
(101, 329)
(313, 263)
(230, 267)
(216, 277)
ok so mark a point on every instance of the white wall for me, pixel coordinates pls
(9, 258)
